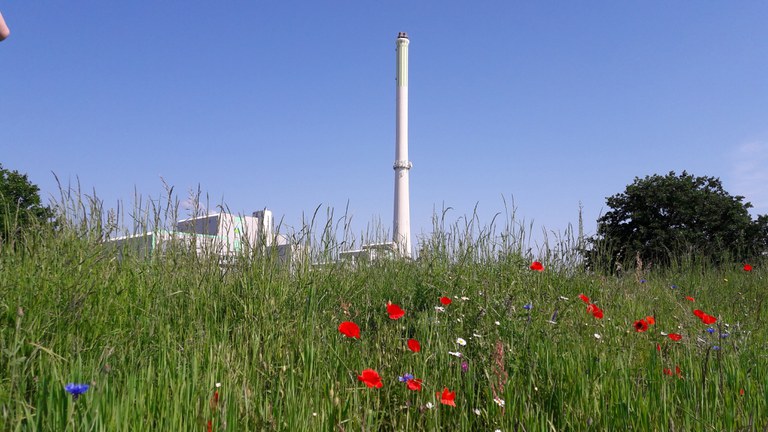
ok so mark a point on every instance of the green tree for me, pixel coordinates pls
(660, 218)
(20, 204)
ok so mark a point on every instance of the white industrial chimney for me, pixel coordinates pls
(402, 219)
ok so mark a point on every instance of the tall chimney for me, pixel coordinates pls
(402, 166)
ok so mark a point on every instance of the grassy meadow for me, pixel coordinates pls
(174, 343)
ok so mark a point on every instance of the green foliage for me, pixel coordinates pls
(153, 336)
(20, 205)
(665, 219)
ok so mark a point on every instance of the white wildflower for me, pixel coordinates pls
(499, 401)
(477, 411)
(455, 354)
(564, 298)
(497, 323)
(597, 336)
(218, 385)
(461, 341)
(465, 298)
(439, 308)
(430, 405)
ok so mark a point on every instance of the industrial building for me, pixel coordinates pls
(223, 234)
(228, 235)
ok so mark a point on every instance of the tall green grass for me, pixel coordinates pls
(153, 336)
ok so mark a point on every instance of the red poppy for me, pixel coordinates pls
(650, 320)
(395, 312)
(414, 384)
(584, 298)
(679, 371)
(210, 426)
(747, 267)
(668, 371)
(445, 300)
(641, 326)
(536, 266)
(595, 311)
(741, 392)
(370, 378)
(447, 397)
(349, 329)
(214, 402)
(658, 347)
(675, 336)
(706, 319)
(689, 298)
(414, 345)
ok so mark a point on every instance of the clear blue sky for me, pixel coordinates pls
(289, 104)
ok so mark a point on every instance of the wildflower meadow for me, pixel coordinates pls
(477, 334)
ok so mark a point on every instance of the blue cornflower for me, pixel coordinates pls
(710, 330)
(674, 286)
(529, 306)
(725, 335)
(405, 378)
(716, 348)
(76, 389)
(642, 280)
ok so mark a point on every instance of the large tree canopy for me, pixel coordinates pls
(19, 203)
(660, 218)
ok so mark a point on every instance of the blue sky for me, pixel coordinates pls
(291, 105)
